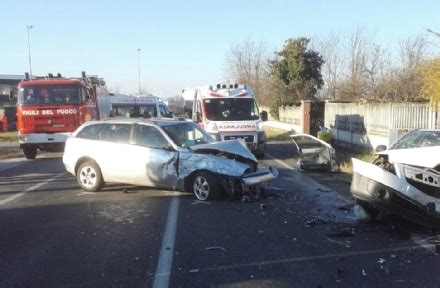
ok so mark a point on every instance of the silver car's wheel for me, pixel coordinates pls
(89, 176)
(205, 186)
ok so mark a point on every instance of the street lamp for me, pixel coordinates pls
(139, 70)
(29, 27)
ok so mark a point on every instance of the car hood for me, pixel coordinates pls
(234, 147)
(422, 157)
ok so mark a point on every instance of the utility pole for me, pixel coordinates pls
(139, 69)
(29, 27)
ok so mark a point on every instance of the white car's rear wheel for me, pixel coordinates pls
(89, 176)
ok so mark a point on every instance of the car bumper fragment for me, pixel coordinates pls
(262, 175)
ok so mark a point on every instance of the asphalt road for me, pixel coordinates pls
(304, 234)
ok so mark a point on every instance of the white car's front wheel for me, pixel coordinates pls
(205, 186)
(89, 176)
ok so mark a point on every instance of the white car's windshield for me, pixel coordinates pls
(187, 134)
(418, 139)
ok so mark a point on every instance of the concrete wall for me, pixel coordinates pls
(370, 125)
(363, 125)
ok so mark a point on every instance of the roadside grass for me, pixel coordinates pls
(344, 155)
(8, 136)
(10, 153)
(343, 161)
(274, 134)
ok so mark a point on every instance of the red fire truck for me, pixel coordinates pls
(50, 108)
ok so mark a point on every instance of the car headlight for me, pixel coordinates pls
(260, 126)
(211, 127)
(24, 138)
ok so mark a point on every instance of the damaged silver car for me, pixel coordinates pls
(403, 180)
(167, 154)
(313, 153)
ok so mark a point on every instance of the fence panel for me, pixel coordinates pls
(413, 116)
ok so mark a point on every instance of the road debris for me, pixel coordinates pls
(345, 243)
(315, 221)
(384, 270)
(246, 199)
(216, 248)
(85, 193)
(127, 191)
(323, 190)
(194, 271)
(361, 214)
(346, 208)
(381, 260)
(364, 273)
(264, 206)
(340, 271)
(343, 232)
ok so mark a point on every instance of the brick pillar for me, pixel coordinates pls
(306, 107)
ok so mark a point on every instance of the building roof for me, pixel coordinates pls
(12, 79)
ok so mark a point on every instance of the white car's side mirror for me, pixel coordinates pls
(381, 148)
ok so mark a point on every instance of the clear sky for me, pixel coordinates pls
(184, 43)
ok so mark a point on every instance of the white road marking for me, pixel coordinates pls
(163, 270)
(302, 259)
(32, 188)
(279, 161)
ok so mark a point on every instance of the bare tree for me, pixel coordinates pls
(354, 88)
(330, 48)
(376, 72)
(412, 54)
(247, 62)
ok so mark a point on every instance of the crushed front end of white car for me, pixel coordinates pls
(231, 162)
(410, 191)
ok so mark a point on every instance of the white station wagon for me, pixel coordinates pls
(167, 154)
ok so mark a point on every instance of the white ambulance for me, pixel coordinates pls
(230, 112)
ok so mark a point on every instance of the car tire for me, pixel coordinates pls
(365, 212)
(205, 186)
(89, 176)
(30, 152)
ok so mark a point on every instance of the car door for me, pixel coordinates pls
(112, 150)
(153, 160)
(314, 153)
